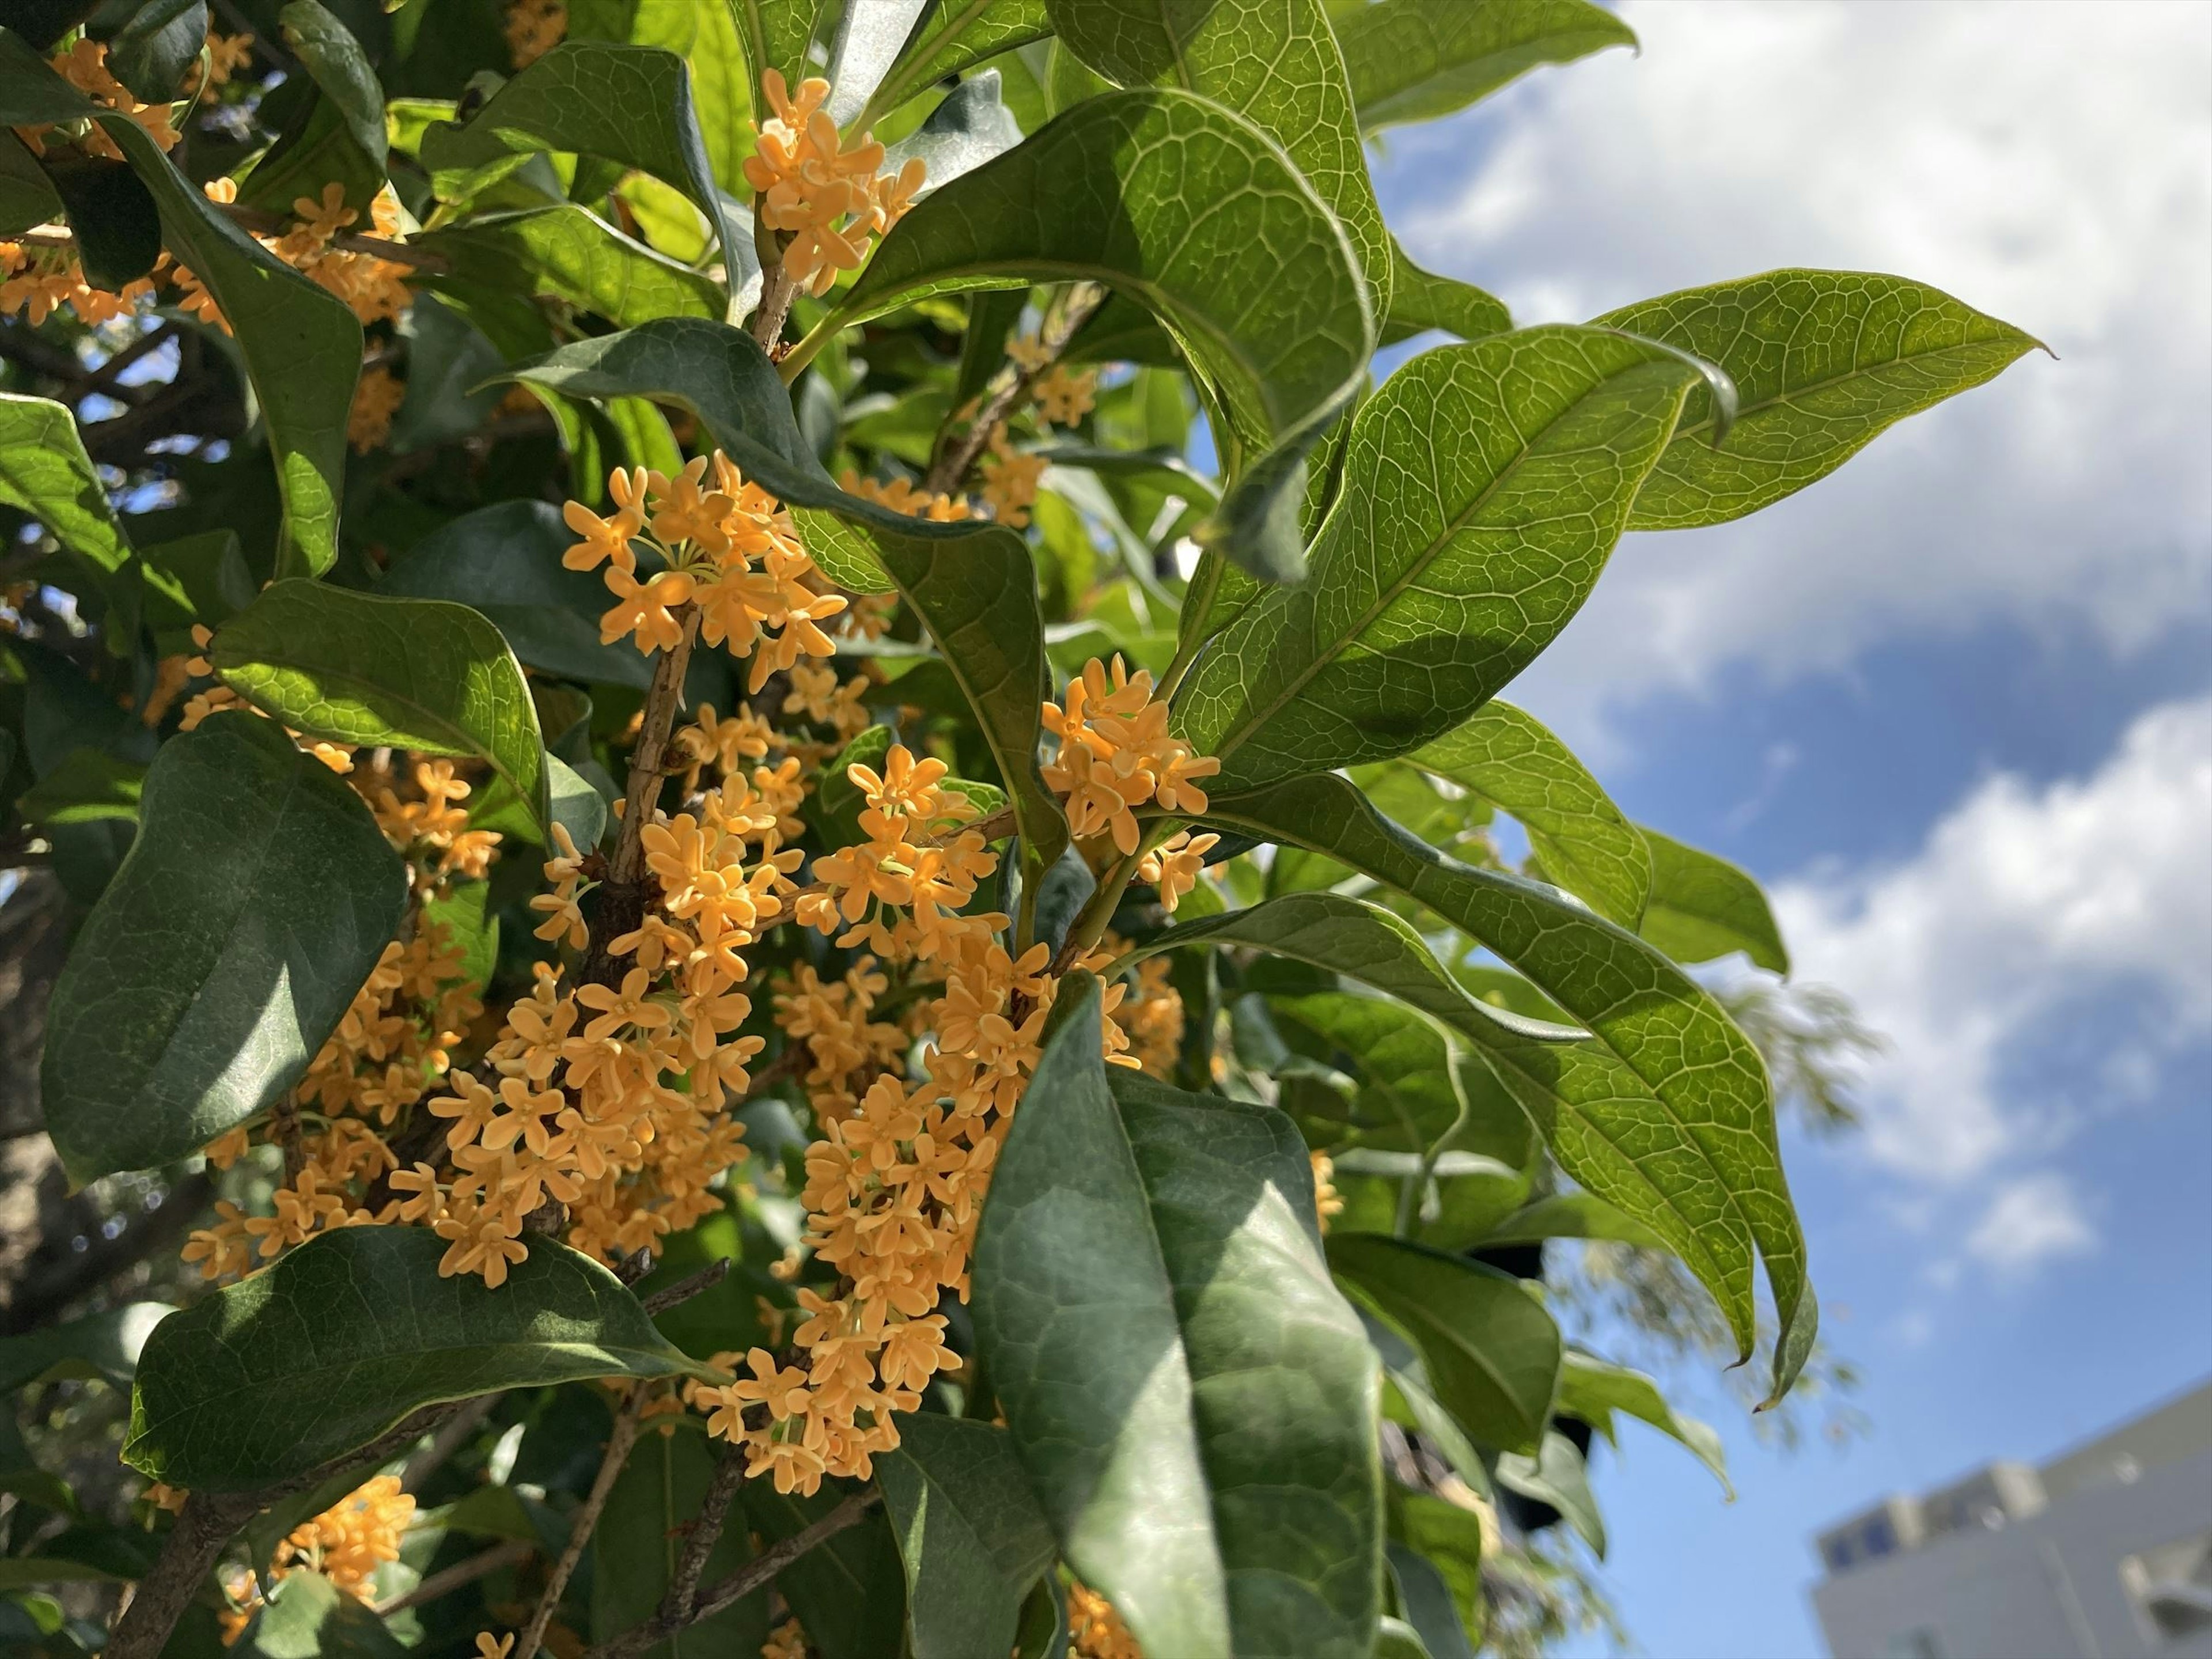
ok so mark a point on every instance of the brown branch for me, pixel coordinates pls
(275, 224)
(685, 1289)
(449, 1579)
(622, 896)
(624, 1437)
(763, 1567)
(706, 1531)
(949, 471)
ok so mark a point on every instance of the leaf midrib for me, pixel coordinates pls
(1745, 411)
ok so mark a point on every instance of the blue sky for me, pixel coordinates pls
(1953, 705)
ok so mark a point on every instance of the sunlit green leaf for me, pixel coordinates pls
(1420, 300)
(1703, 907)
(257, 895)
(1556, 1474)
(1414, 60)
(955, 36)
(1593, 1390)
(571, 253)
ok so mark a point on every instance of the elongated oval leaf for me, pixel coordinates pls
(973, 586)
(1823, 360)
(1692, 1069)
(1414, 60)
(1420, 300)
(1593, 1390)
(301, 343)
(1585, 843)
(970, 1535)
(1196, 213)
(641, 1535)
(353, 1330)
(1703, 906)
(1490, 1352)
(257, 897)
(337, 135)
(1275, 63)
(849, 1594)
(418, 674)
(957, 35)
(568, 250)
(45, 471)
(1485, 486)
(1194, 1402)
(629, 103)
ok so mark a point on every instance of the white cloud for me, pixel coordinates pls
(2027, 915)
(2052, 164)
(2034, 1219)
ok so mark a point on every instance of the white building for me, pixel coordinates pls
(2104, 1552)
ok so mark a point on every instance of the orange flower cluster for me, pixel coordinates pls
(785, 1641)
(1010, 481)
(1116, 753)
(84, 65)
(346, 1543)
(226, 54)
(376, 399)
(533, 28)
(1064, 395)
(826, 198)
(1327, 1201)
(730, 549)
(1095, 1631)
(900, 495)
(374, 288)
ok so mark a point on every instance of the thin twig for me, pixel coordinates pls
(275, 224)
(740, 1584)
(949, 471)
(450, 1434)
(685, 1289)
(705, 1530)
(461, 1572)
(619, 1442)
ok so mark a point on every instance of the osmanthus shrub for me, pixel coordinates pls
(835, 999)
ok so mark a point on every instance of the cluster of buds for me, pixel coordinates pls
(831, 198)
(346, 1543)
(1116, 753)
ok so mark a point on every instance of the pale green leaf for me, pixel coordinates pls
(1557, 1476)
(1414, 60)
(1703, 907)
(351, 1331)
(954, 37)
(1584, 843)
(421, 674)
(1573, 1215)
(257, 897)
(1194, 1402)
(1420, 300)
(1593, 1390)
(1485, 486)
(572, 253)
(44, 471)
(1191, 210)
(1823, 362)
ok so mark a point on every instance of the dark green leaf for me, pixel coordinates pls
(103, 1344)
(629, 104)
(339, 136)
(1413, 60)
(1573, 1215)
(118, 228)
(974, 588)
(257, 897)
(1426, 1597)
(957, 35)
(308, 1617)
(90, 783)
(421, 674)
(1593, 1390)
(569, 252)
(1583, 841)
(27, 195)
(1703, 906)
(1823, 362)
(1275, 63)
(301, 343)
(150, 53)
(1490, 1352)
(1484, 488)
(848, 1595)
(1676, 1121)
(643, 1533)
(354, 1329)
(1193, 211)
(970, 1535)
(1420, 300)
(1194, 1402)
(504, 562)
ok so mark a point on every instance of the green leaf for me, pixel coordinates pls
(1584, 843)
(970, 1535)
(866, 44)
(1420, 300)
(253, 904)
(301, 346)
(848, 1594)
(27, 195)
(838, 802)
(308, 1617)
(1703, 907)
(1573, 1215)
(102, 1344)
(118, 228)
(1490, 1352)
(1191, 210)
(1672, 1118)
(150, 53)
(641, 1533)
(339, 136)
(777, 34)
(974, 588)
(347, 1334)
(1823, 362)
(90, 783)
(629, 104)
(1414, 60)
(461, 914)
(1426, 1597)
(1273, 62)
(1194, 1402)
(44, 471)
(1593, 1390)
(1558, 1475)
(571, 253)
(503, 561)
(419, 674)
(1484, 488)
(969, 127)
(955, 36)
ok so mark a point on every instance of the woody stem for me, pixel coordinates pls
(621, 899)
(619, 1442)
(950, 469)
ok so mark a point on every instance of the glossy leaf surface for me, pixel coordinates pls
(970, 1535)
